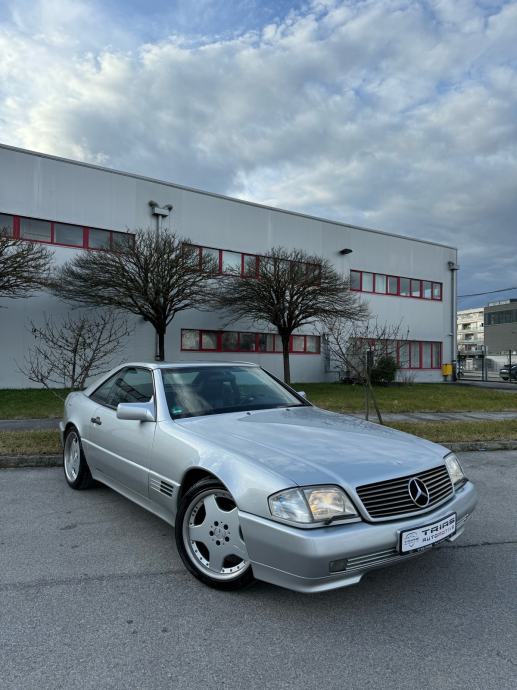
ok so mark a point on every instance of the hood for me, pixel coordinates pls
(311, 446)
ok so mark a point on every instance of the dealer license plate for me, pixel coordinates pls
(422, 537)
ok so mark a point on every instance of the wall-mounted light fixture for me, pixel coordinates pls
(162, 211)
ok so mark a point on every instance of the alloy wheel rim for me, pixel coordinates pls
(72, 456)
(212, 536)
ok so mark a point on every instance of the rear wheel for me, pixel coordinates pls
(209, 537)
(77, 472)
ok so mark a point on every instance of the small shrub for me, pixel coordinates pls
(384, 371)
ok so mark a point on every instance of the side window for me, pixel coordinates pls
(102, 393)
(131, 385)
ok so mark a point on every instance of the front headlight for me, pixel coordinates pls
(312, 504)
(454, 469)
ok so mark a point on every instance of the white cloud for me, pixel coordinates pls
(394, 114)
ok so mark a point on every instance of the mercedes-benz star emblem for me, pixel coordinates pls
(419, 492)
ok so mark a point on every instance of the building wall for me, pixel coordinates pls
(501, 327)
(44, 187)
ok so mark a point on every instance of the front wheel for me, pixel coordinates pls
(77, 472)
(209, 537)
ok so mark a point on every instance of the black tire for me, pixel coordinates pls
(77, 472)
(222, 536)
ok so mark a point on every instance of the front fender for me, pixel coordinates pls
(177, 452)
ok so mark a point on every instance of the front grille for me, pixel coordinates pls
(374, 560)
(391, 498)
(380, 558)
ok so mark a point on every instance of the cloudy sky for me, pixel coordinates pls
(394, 114)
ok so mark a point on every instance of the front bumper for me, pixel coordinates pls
(299, 559)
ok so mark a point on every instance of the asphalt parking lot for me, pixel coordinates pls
(93, 595)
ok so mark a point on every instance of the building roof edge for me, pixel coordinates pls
(223, 196)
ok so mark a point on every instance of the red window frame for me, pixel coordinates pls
(375, 276)
(84, 229)
(398, 279)
(413, 346)
(307, 267)
(277, 343)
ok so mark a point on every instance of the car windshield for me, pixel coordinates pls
(203, 390)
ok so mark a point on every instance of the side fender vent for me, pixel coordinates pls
(162, 487)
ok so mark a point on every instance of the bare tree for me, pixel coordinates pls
(291, 289)
(66, 355)
(24, 266)
(355, 346)
(153, 276)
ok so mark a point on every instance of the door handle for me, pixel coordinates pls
(96, 420)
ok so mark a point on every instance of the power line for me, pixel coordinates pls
(490, 292)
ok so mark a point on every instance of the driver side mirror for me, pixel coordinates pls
(137, 412)
(302, 394)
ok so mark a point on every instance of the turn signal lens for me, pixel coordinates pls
(290, 505)
(454, 469)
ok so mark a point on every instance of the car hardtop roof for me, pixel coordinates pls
(182, 365)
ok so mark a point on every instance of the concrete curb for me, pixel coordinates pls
(463, 446)
(20, 461)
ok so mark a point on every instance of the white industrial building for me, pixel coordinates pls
(74, 207)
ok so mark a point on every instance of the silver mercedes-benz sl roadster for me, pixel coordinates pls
(258, 482)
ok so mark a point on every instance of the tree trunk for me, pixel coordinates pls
(374, 400)
(160, 355)
(285, 355)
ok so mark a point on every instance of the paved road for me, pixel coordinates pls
(93, 595)
(495, 384)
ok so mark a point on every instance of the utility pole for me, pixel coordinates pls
(159, 212)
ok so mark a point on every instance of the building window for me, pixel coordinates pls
(400, 286)
(99, 239)
(247, 342)
(403, 356)
(232, 262)
(6, 224)
(36, 230)
(251, 266)
(209, 340)
(367, 285)
(196, 340)
(393, 285)
(190, 339)
(380, 283)
(415, 355)
(436, 352)
(496, 318)
(71, 235)
(266, 342)
(313, 344)
(412, 354)
(63, 234)
(230, 341)
(298, 344)
(226, 262)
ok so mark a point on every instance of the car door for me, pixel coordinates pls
(121, 448)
